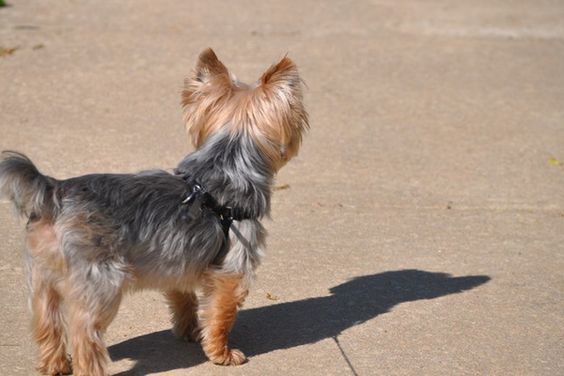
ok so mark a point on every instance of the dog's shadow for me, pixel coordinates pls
(285, 325)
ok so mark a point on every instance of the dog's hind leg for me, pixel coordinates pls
(88, 322)
(94, 299)
(222, 295)
(45, 267)
(183, 308)
(49, 329)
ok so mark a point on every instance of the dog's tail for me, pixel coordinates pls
(22, 183)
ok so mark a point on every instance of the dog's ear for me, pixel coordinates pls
(205, 92)
(208, 73)
(284, 118)
(209, 67)
(282, 76)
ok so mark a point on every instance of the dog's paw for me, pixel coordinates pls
(60, 366)
(230, 357)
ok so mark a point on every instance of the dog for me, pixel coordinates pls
(194, 233)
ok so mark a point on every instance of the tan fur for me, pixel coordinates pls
(48, 324)
(48, 330)
(222, 295)
(270, 111)
(87, 326)
(183, 308)
(205, 93)
(42, 243)
(51, 281)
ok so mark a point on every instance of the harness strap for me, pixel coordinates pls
(226, 214)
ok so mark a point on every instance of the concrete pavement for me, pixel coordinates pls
(423, 229)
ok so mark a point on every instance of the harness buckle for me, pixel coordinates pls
(196, 190)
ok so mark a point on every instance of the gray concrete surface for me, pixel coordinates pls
(423, 230)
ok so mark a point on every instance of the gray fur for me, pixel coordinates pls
(110, 224)
(24, 185)
(244, 178)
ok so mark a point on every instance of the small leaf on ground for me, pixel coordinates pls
(6, 51)
(555, 162)
(269, 296)
(281, 187)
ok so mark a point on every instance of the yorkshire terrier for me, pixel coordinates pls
(92, 238)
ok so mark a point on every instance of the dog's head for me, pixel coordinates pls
(270, 111)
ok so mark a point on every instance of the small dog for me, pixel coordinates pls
(90, 239)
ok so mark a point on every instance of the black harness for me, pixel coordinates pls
(226, 214)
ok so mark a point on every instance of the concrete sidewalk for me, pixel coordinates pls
(423, 229)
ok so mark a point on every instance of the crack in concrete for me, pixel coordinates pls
(345, 356)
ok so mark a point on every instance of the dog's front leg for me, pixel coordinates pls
(222, 295)
(183, 307)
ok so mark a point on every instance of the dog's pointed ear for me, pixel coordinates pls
(284, 116)
(209, 66)
(205, 91)
(209, 76)
(283, 76)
